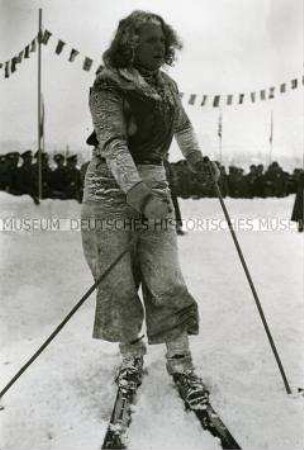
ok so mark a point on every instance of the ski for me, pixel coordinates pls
(211, 421)
(115, 437)
(128, 381)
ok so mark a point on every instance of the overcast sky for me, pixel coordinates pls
(230, 46)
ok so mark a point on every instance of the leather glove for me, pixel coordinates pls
(153, 204)
(207, 171)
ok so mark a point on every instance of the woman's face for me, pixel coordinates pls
(151, 48)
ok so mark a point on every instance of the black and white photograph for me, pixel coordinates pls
(151, 224)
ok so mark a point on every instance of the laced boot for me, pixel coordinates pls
(130, 373)
(191, 389)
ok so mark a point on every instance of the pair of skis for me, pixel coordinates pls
(116, 434)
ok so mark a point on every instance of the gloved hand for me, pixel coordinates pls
(206, 170)
(153, 204)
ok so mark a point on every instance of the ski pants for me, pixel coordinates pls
(152, 263)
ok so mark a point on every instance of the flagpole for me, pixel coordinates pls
(271, 137)
(39, 108)
(220, 133)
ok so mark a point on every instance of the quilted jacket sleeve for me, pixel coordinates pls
(106, 105)
(185, 134)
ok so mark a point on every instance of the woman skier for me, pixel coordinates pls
(136, 112)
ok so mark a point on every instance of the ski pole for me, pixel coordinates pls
(65, 320)
(251, 284)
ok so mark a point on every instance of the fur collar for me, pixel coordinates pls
(129, 80)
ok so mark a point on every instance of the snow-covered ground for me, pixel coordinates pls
(64, 400)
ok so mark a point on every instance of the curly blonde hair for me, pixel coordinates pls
(121, 52)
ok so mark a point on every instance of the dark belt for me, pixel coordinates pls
(152, 161)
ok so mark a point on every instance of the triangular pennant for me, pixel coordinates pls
(14, 62)
(283, 88)
(73, 54)
(20, 56)
(192, 99)
(7, 69)
(27, 52)
(294, 83)
(33, 45)
(252, 96)
(241, 98)
(216, 101)
(87, 64)
(263, 94)
(220, 126)
(271, 92)
(45, 37)
(59, 47)
(204, 100)
(229, 99)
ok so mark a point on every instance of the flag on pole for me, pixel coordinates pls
(41, 125)
(220, 125)
(271, 128)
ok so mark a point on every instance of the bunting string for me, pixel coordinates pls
(218, 100)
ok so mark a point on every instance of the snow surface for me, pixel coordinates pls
(64, 400)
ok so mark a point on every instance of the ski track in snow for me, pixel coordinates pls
(64, 400)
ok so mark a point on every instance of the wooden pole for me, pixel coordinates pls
(271, 137)
(220, 135)
(39, 108)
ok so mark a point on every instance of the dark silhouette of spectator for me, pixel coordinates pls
(275, 181)
(26, 176)
(74, 182)
(10, 175)
(59, 179)
(3, 172)
(298, 207)
(223, 181)
(236, 185)
(46, 174)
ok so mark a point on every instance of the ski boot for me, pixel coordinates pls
(130, 373)
(191, 389)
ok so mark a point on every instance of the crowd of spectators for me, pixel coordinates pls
(19, 174)
(63, 179)
(259, 181)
